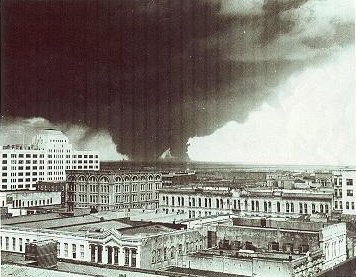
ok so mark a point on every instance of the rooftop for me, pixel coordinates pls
(71, 268)
(248, 255)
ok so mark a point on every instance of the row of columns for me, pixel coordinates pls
(123, 256)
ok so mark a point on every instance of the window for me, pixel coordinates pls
(165, 254)
(66, 250)
(278, 207)
(153, 256)
(349, 182)
(173, 252)
(127, 256)
(350, 192)
(313, 208)
(347, 205)
(133, 257)
(58, 249)
(7, 243)
(14, 244)
(74, 251)
(81, 249)
(352, 205)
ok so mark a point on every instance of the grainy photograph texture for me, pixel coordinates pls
(178, 138)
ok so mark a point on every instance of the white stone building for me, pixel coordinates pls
(46, 159)
(18, 202)
(146, 245)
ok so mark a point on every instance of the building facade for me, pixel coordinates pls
(272, 240)
(203, 201)
(113, 190)
(348, 187)
(46, 159)
(153, 246)
(19, 202)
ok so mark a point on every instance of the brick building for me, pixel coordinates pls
(112, 190)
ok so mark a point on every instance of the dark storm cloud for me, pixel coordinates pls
(153, 73)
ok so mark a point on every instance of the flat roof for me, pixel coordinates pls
(32, 271)
(53, 221)
(83, 268)
(275, 256)
(149, 229)
(200, 272)
(97, 227)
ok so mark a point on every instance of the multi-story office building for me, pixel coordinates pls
(46, 159)
(110, 190)
(202, 201)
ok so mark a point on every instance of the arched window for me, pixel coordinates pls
(81, 178)
(118, 179)
(104, 179)
(92, 179)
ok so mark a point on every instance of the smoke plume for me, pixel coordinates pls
(156, 73)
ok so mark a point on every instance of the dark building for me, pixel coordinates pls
(54, 186)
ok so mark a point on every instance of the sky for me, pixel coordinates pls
(222, 80)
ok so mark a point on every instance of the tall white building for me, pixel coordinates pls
(46, 159)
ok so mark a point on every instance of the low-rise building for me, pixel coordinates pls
(26, 202)
(201, 201)
(270, 247)
(140, 244)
